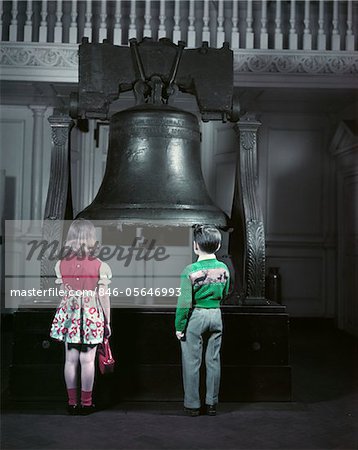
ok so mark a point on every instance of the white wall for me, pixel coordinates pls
(297, 175)
(16, 158)
(15, 151)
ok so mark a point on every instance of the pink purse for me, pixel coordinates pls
(105, 359)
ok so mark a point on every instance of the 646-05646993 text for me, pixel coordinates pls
(140, 292)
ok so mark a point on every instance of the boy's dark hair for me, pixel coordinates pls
(207, 237)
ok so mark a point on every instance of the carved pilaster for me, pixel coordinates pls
(248, 241)
(58, 203)
(58, 189)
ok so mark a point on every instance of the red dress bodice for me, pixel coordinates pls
(80, 274)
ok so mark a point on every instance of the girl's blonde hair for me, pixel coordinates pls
(81, 236)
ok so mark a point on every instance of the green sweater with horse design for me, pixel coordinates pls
(203, 285)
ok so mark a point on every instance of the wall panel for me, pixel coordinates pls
(294, 183)
(16, 140)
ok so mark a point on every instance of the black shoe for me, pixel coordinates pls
(211, 410)
(192, 412)
(73, 410)
(86, 410)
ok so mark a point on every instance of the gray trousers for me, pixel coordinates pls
(202, 320)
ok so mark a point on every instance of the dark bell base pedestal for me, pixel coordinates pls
(255, 365)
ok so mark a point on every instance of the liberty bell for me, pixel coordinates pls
(153, 170)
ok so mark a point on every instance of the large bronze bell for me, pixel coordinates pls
(153, 170)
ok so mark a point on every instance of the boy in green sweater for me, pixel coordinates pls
(203, 285)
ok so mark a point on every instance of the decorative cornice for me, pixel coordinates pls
(299, 62)
(39, 55)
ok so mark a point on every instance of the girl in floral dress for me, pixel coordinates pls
(82, 319)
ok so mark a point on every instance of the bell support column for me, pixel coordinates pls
(247, 214)
(58, 202)
(57, 195)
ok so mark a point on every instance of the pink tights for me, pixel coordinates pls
(74, 357)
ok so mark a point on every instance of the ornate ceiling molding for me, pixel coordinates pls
(302, 69)
(38, 62)
(54, 55)
(300, 62)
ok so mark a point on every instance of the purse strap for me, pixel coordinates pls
(107, 349)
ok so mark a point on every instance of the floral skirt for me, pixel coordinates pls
(78, 320)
